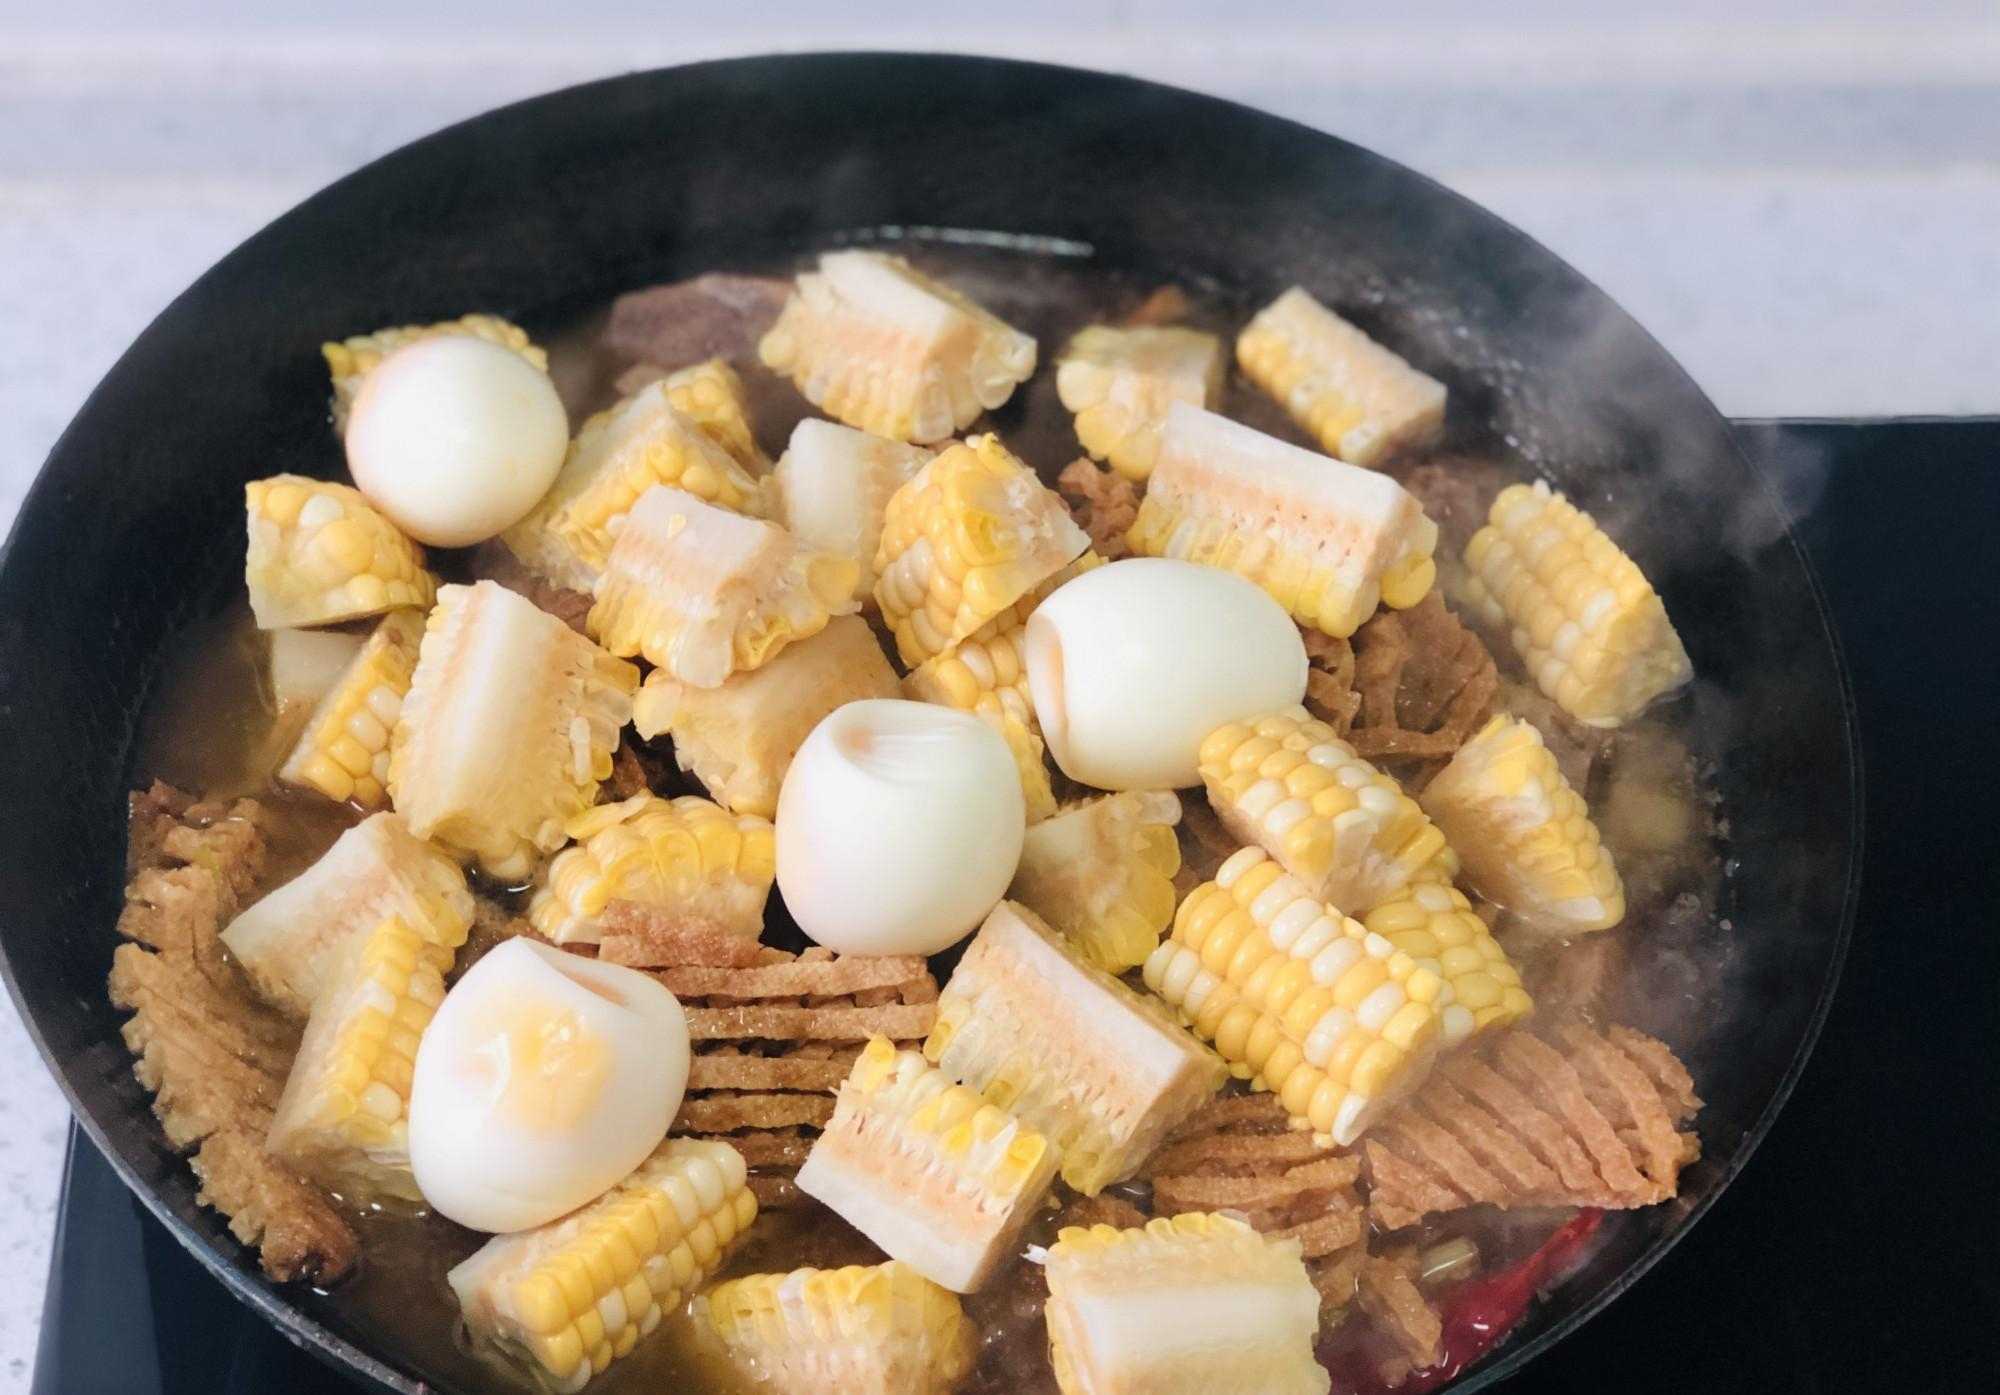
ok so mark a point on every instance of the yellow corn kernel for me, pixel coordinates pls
(568, 1298)
(969, 536)
(1590, 628)
(319, 553)
(344, 751)
(985, 674)
(1524, 835)
(1119, 383)
(1327, 540)
(1359, 400)
(929, 1170)
(708, 866)
(710, 394)
(1433, 923)
(1287, 783)
(874, 343)
(882, 1329)
(1102, 873)
(352, 360)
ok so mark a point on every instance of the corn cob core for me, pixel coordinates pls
(710, 394)
(352, 360)
(343, 1119)
(1187, 1305)
(344, 751)
(571, 1297)
(507, 730)
(1102, 873)
(1301, 999)
(1358, 399)
(1327, 540)
(1524, 835)
(1433, 923)
(704, 593)
(1119, 383)
(618, 455)
(927, 1169)
(972, 534)
(290, 943)
(1581, 614)
(882, 1329)
(832, 489)
(1287, 783)
(319, 553)
(1066, 1048)
(876, 344)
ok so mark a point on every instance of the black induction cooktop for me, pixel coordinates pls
(1856, 1253)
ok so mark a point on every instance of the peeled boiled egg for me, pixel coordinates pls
(1132, 665)
(543, 1080)
(455, 439)
(899, 827)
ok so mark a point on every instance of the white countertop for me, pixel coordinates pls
(1801, 205)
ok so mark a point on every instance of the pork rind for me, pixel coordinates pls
(214, 1058)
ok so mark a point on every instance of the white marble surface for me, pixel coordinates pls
(1798, 197)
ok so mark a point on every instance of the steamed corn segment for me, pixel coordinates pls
(1524, 836)
(569, 1298)
(971, 535)
(343, 1119)
(882, 1329)
(704, 593)
(1338, 1022)
(1326, 539)
(832, 489)
(290, 944)
(710, 394)
(350, 361)
(927, 1169)
(344, 752)
(1194, 1304)
(1358, 399)
(1583, 617)
(507, 730)
(739, 739)
(985, 675)
(1286, 783)
(1102, 873)
(1119, 383)
(876, 344)
(709, 867)
(1431, 921)
(1067, 1049)
(618, 455)
(319, 554)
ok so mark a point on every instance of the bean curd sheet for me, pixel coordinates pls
(1391, 1298)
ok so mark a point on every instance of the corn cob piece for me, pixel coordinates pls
(985, 675)
(352, 360)
(343, 1120)
(1119, 383)
(704, 593)
(739, 739)
(883, 1329)
(617, 456)
(567, 1299)
(1102, 873)
(320, 554)
(507, 729)
(1359, 400)
(1326, 539)
(1287, 783)
(970, 536)
(1194, 1304)
(708, 868)
(928, 1170)
(344, 751)
(832, 488)
(1524, 835)
(305, 664)
(1300, 999)
(290, 943)
(1431, 921)
(1582, 616)
(1067, 1049)
(710, 394)
(874, 343)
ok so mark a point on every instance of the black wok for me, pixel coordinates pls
(134, 527)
